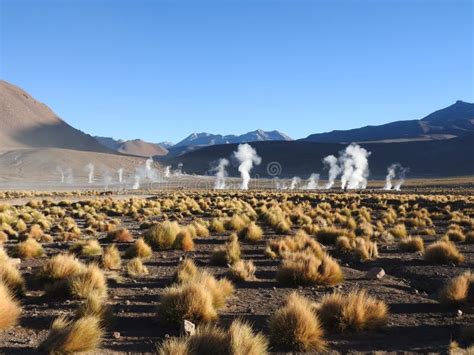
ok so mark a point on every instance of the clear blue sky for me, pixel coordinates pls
(160, 70)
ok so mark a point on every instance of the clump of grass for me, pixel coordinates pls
(296, 327)
(470, 237)
(457, 290)
(228, 253)
(186, 271)
(365, 249)
(29, 248)
(210, 339)
(290, 244)
(135, 267)
(95, 305)
(139, 249)
(189, 301)
(399, 231)
(121, 235)
(60, 267)
(455, 234)
(162, 235)
(184, 240)
(235, 223)
(252, 233)
(111, 259)
(356, 310)
(412, 244)
(10, 309)
(443, 252)
(303, 268)
(67, 336)
(92, 279)
(329, 235)
(11, 277)
(89, 247)
(242, 271)
(217, 226)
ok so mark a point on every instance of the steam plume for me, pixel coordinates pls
(247, 157)
(355, 167)
(294, 182)
(90, 172)
(395, 171)
(313, 182)
(167, 171)
(330, 163)
(62, 173)
(221, 174)
(120, 175)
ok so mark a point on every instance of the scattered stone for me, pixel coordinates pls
(116, 335)
(376, 273)
(127, 302)
(459, 313)
(145, 288)
(188, 328)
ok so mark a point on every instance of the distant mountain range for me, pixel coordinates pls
(192, 142)
(453, 121)
(204, 139)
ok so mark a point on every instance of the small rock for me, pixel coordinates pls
(416, 291)
(116, 335)
(127, 302)
(145, 288)
(181, 258)
(376, 273)
(459, 313)
(188, 328)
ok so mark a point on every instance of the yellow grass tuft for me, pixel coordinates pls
(242, 271)
(228, 253)
(443, 252)
(457, 290)
(243, 340)
(135, 267)
(121, 235)
(92, 279)
(66, 336)
(139, 249)
(412, 244)
(303, 268)
(186, 271)
(30, 248)
(10, 309)
(296, 327)
(11, 277)
(111, 259)
(252, 233)
(356, 310)
(162, 235)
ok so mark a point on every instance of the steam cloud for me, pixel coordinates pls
(313, 182)
(120, 175)
(145, 172)
(330, 163)
(221, 174)
(167, 171)
(294, 182)
(90, 172)
(398, 172)
(247, 157)
(353, 164)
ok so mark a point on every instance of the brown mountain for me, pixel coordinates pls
(28, 123)
(136, 147)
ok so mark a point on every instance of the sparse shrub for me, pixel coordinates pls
(470, 237)
(229, 253)
(303, 268)
(289, 244)
(243, 340)
(455, 235)
(252, 233)
(121, 235)
(242, 271)
(10, 309)
(201, 229)
(191, 301)
(184, 240)
(186, 271)
(443, 252)
(217, 226)
(296, 327)
(111, 259)
(235, 223)
(95, 305)
(412, 244)
(92, 279)
(356, 310)
(457, 290)
(174, 346)
(60, 267)
(139, 249)
(399, 231)
(30, 248)
(11, 277)
(162, 235)
(365, 249)
(66, 336)
(135, 267)
(330, 235)
(90, 248)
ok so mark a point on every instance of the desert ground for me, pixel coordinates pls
(257, 271)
